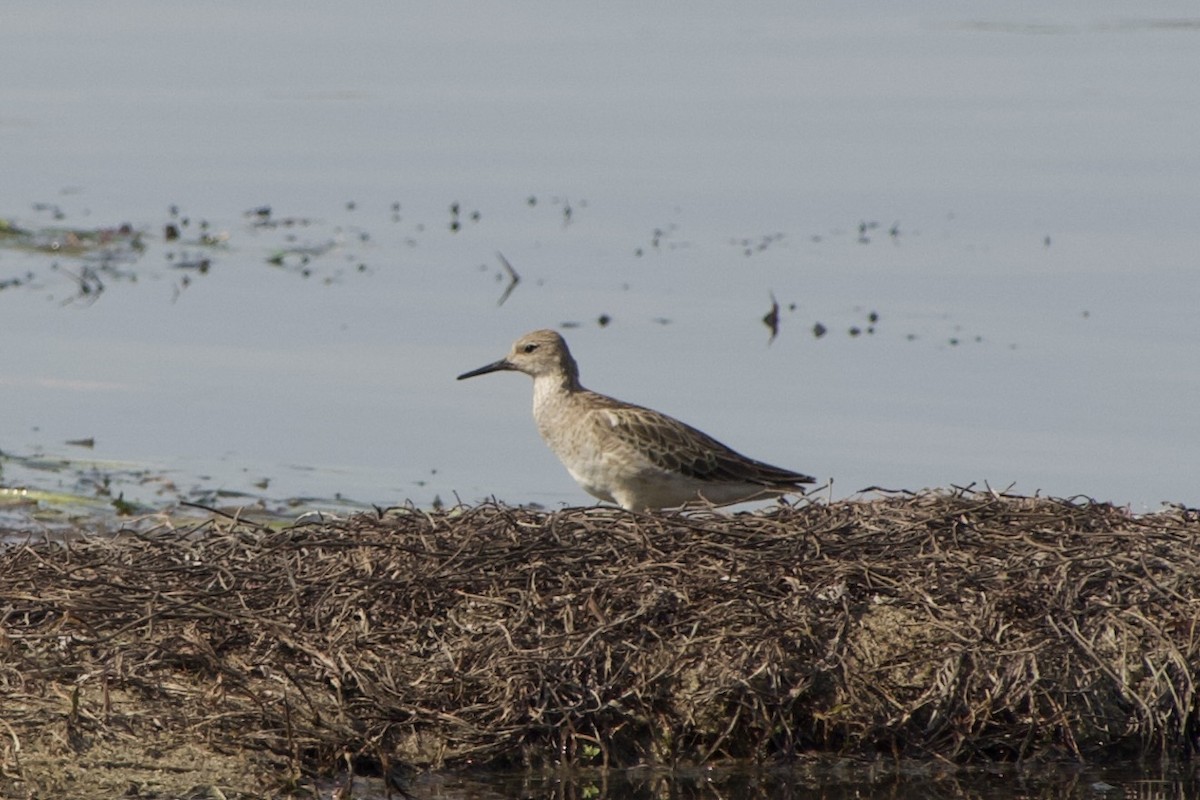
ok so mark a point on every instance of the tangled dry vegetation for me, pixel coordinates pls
(962, 626)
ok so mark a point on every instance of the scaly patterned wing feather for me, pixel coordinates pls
(677, 447)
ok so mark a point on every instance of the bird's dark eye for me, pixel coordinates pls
(529, 348)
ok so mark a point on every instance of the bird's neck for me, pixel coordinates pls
(553, 391)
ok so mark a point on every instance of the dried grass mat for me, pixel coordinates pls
(956, 625)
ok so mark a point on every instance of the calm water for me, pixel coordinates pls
(1013, 191)
(825, 780)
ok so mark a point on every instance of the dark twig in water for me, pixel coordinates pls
(513, 278)
(771, 320)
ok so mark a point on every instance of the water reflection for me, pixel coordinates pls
(824, 779)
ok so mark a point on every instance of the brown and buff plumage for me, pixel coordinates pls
(633, 456)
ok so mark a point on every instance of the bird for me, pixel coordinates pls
(635, 457)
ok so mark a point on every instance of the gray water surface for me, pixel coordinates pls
(993, 213)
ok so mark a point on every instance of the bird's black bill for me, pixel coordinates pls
(495, 366)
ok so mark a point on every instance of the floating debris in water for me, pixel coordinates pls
(261, 217)
(751, 245)
(513, 278)
(662, 238)
(864, 228)
(771, 319)
(124, 508)
(9, 283)
(299, 255)
(54, 210)
(9, 229)
(455, 217)
(122, 242)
